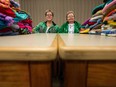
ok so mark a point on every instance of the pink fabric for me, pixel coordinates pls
(109, 5)
(6, 2)
(21, 25)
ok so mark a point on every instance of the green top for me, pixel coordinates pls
(64, 27)
(42, 27)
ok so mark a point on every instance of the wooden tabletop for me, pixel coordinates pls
(87, 47)
(33, 47)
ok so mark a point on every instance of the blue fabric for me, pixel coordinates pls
(20, 16)
(2, 24)
(9, 33)
(99, 21)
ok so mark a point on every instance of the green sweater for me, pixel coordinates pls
(42, 27)
(64, 27)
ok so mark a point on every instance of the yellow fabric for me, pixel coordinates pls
(85, 31)
(111, 22)
(98, 13)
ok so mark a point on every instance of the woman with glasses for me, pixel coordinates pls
(71, 26)
(48, 26)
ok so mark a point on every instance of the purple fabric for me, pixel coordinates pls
(2, 16)
(86, 22)
(7, 19)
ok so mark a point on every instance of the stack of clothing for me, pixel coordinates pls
(13, 21)
(103, 19)
(109, 21)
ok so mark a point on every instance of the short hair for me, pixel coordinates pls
(69, 12)
(49, 11)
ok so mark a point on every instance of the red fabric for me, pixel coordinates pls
(5, 30)
(91, 23)
(27, 21)
(7, 11)
(25, 25)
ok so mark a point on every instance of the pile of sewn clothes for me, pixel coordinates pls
(103, 20)
(13, 21)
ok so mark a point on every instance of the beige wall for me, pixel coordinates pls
(36, 8)
(17, 1)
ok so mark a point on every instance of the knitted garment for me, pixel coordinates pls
(6, 19)
(7, 11)
(97, 8)
(5, 3)
(21, 15)
(112, 17)
(109, 6)
(14, 4)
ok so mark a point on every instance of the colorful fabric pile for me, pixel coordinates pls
(103, 19)
(13, 21)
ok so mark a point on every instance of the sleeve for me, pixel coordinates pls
(61, 29)
(36, 28)
(79, 26)
(57, 29)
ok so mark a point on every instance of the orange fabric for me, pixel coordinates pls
(6, 2)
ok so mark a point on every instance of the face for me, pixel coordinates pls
(70, 18)
(49, 16)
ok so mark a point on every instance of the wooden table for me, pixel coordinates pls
(89, 60)
(25, 60)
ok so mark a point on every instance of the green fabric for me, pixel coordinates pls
(100, 7)
(64, 27)
(108, 1)
(41, 28)
(97, 8)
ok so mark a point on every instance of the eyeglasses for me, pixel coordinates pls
(70, 16)
(48, 14)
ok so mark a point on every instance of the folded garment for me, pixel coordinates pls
(21, 15)
(4, 6)
(97, 8)
(113, 3)
(6, 29)
(86, 22)
(96, 17)
(112, 12)
(86, 31)
(2, 24)
(7, 11)
(105, 13)
(112, 17)
(91, 23)
(7, 20)
(6, 2)
(98, 26)
(111, 22)
(98, 13)
(14, 4)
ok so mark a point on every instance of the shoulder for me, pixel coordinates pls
(77, 23)
(65, 24)
(41, 23)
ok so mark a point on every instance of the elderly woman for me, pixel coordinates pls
(48, 26)
(71, 26)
